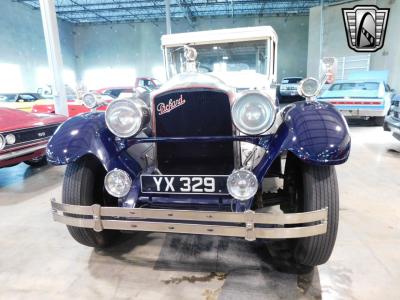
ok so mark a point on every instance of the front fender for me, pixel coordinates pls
(317, 133)
(87, 134)
(314, 132)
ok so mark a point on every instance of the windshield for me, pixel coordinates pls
(359, 86)
(226, 57)
(8, 97)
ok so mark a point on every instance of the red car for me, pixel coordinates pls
(110, 93)
(75, 107)
(145, 82)
(24, 136)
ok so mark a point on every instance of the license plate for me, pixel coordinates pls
(178, 184)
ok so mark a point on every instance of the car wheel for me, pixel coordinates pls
(311, 188)
(37, 162)
(84, 185)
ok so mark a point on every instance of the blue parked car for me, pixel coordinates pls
(195, 161)
(361, 99)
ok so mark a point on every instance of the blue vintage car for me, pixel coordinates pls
(364, 98)
(196, 161)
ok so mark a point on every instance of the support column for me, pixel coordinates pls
(321, 30)
(168, 16)
(51, 36)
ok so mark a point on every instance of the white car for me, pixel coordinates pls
(289, 86)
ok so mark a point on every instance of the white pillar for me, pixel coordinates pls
(168, 16)
(321, 30)
(51, 36)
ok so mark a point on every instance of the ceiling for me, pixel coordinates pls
(117, 11)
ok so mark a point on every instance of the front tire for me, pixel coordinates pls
(84, 185)
(313, 188)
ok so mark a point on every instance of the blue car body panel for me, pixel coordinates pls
(315, 132)
(87, 134)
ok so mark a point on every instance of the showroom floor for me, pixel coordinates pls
(39, 260)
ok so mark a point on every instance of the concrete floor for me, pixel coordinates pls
(39, 260)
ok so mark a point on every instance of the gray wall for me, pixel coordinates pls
(335, 43)
(22, 41)
(138, 45)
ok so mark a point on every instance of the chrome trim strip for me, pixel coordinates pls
(21, 152)
(136, 219)
(220, 230)
(19, 145)
(30, 128)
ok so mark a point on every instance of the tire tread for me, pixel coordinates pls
(78, 182)
(320, 190)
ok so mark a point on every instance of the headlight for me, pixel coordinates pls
(126, 118)
(2, 142)
(91, 100)
(308, 87)
(10, 139)
(117, 183)
(253, 113)
(242, 185)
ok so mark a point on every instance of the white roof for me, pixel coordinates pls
(219, 36)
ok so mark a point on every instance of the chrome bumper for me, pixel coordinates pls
(21, 152)
(218, 223)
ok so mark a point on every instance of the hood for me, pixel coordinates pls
(12, 119)
(245, 79)
(192, 80)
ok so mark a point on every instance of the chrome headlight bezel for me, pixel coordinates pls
(10, 139)
(2, 142)
(125, 183)
(304, 87)
(137, 107)
(241, 181)
(260, 99)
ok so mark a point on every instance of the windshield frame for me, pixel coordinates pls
(271, 48)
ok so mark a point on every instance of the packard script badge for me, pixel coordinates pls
(163, 108)
(365, 27)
